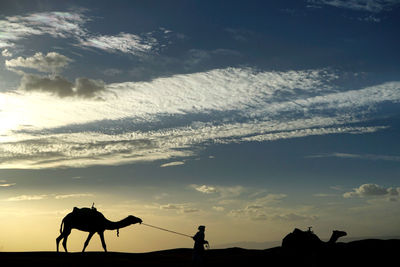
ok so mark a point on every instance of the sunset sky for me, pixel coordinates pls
(249, 117)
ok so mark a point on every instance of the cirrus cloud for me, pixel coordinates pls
(27, 197)
(122, 42)
(173, 163)
(172, 117)
(374, 6)
(73, 196)
(72, 25)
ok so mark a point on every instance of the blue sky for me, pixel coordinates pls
(263, 116)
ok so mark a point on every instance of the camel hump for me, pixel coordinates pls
(86, 211)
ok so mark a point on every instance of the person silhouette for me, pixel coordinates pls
(198, 249)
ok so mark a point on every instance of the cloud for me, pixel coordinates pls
(170, 207)
(56, 24)
(53, 62)
(373, 190)
(224, 192)
(206, 189)
(3, 184)
(56, 85)
(218, 208)
(190, 210)
(61, 87)
(6, 53)
(180, 208)
(73, 196)
(88, 88)
(72, 25)
(27, 197)
(269, 199)
(312, 132)
(171, 117)
(324, 195)
(270, 207)
(173, 163)
(359, 156)
(123, 42)
(161, 196)
(291, 217)
(374, 6)
(272, 215)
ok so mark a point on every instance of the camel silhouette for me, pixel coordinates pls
(92, 221)
(301, 240)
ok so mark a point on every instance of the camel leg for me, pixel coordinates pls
(66, 234)
(101, 234)
(87, 241)
(58, 240)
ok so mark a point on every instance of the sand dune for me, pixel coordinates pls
(368, 252)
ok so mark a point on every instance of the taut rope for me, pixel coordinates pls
(163, 229)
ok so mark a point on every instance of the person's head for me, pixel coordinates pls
(202, 228)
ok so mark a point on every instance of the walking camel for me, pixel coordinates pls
(92, 221)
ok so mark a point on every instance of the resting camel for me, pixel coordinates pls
(92, 221)
(301, 240)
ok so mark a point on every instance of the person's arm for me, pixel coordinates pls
(195, 237)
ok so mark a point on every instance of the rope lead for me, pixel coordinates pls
(163, 229)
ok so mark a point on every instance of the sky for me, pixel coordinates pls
(249, 117)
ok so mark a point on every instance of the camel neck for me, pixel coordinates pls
(116, 225)
(333, 239)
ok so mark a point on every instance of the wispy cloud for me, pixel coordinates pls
(4, 184)
(374, 6)
(168, 118)
(73, 196)
(27, 197)
(180, 208)
(173, 163)
(41, 197)
(72, 25)
(220, 193)
(205, 189)
(313, 131)
(268, 208)
(358, 156)
(218, 208)
(123, 42)
(56, 24)
(324, 195)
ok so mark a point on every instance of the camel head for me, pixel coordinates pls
(132, 219)
(339, 233)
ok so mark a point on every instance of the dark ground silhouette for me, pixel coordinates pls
(367, 252)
